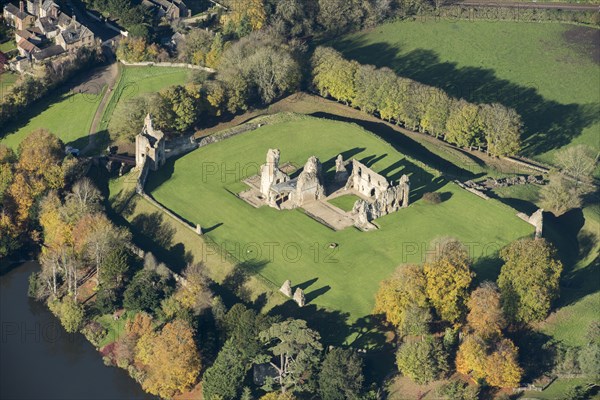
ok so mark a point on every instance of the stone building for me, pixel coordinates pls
(279, 190)
(150, 146)
(271, 175)
(18, 16)
(383, 197)
(43, 31)
(170, 9)
(366, 181)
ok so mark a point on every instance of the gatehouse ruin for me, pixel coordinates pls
(276, 188)
(150, 146)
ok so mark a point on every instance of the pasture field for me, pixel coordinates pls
(137, 81)
(201, 187)
(66, 114)
(548, 72)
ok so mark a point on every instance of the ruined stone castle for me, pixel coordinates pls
(150, 146)
(378, 196)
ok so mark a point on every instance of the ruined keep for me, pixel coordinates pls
(378, 197)
(278, 188)
(150, 146)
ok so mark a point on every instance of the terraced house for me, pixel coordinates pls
(43, 31)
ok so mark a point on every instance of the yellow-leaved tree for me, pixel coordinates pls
(486, 316)
(405, 289)
(170, 359)
(471, 357)
(502, 366)
(449, 276)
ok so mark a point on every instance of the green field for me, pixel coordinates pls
(280, 245)
(136, 81)
(545, 71)
(68, 115)
(345, 202)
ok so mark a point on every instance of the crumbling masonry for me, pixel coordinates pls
(379, 197)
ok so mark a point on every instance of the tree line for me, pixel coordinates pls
(416, 106)
(38, 166)
(253, 71)
(445, 323)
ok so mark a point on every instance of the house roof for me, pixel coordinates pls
(11, 9)
(48, 4)
(75, 33)
(50, 51)
(29, 33)
(49, 24)
(28, 46)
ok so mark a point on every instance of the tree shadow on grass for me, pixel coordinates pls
(331, 324)
(548, 124)
(152, 233)
(369, 334)
(403, 144)
(536, 353)
(235, 282)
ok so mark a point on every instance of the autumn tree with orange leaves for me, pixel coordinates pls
(169, 358)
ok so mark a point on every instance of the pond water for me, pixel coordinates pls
(39, 360)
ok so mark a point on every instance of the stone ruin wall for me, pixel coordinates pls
(366, 181)
(386, 198)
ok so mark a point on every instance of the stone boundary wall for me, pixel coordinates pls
(218, 137)
(527, 164)
(474, 191)
(180, 146)
(166, 64)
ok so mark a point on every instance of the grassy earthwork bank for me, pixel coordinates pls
(201, 187)
(137, 81)
(548, 72)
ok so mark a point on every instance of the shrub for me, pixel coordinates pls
(432, 198)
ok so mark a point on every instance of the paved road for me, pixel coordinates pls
(545, 6)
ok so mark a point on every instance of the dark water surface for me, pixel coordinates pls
(39, 360)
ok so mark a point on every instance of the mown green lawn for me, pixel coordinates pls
(345, 202)
(115, 328)
(136, 81)
(558, 389)
(545, 71)
(8, 46)
(280, 245)
(68, 115)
